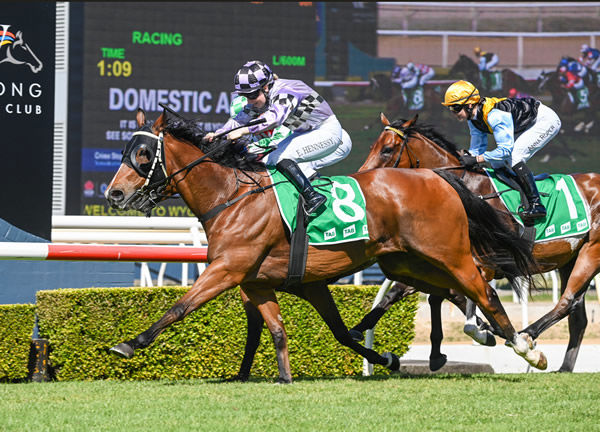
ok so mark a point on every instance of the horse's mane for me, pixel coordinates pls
(224, 152)
(429, 132)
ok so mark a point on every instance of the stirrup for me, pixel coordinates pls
(316, 201)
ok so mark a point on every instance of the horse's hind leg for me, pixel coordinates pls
(255, 323)
(266, 302)
(487, 299)
(397, 292)
(319, 296)
(436, 358)
(577, 324)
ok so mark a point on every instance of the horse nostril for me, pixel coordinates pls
(116, 195)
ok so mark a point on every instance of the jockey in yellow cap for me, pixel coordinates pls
(520, 126)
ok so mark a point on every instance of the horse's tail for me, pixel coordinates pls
(495, 243)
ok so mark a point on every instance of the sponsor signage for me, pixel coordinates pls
(27, 46)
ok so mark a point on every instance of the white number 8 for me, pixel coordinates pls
(348, 201)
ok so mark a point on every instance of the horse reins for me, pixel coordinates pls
(154, 190)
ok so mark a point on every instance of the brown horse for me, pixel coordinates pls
(248, 245)
(576, 119)
(466, 66)
(397, 104)
(404, 144)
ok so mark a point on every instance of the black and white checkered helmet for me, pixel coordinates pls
(252, 76)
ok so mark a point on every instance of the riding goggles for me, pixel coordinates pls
(456, 108)
(255, 94)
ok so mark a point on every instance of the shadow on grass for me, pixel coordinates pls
(394, 377)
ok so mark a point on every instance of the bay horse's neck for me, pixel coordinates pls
(204, 186)
(431, 155)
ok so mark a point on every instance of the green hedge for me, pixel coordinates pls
(16, 328)
(82, 324)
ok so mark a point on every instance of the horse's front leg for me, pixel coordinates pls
(266, 302)
(255, 323)
(212, 282)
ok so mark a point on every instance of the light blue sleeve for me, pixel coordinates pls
(478, 140)
(502, 126)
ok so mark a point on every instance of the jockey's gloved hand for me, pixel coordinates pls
(468, 161)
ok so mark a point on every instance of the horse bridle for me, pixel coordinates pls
(403, 145)
(152, 193)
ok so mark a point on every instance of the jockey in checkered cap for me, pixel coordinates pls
(316, 139)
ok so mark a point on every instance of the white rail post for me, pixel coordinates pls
(555, 283)
(145, 275)
(369, 334)
(184, 271)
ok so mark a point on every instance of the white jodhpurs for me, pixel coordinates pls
(537, 136)
(338, 154)
(305, 148)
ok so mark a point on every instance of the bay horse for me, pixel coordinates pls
(383, 88)
(248, 245)
(470, 70)
(566, 106)
(405, 144)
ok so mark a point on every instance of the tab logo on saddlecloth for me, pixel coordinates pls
(329, 234)
(349, 231)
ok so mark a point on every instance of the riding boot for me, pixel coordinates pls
(534, 209)
(291, 170)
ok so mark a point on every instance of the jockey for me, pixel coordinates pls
(267, 141)
(531, 122)
(514, 93)
(573, 66)
(412, 75)
(487, 60)
(590, 57)
(570, 78)
(315, 131)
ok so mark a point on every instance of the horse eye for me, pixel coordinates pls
(387, 150)
(142, 154)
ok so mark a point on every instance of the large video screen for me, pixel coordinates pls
(182, 54)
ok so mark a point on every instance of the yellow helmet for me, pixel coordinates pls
(477, 51)
(461, 92)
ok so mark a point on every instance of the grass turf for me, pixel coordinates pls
(541, 402)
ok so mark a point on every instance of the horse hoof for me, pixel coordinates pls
(122, 350)
(393, 361)
(356, 335)
(537, 359)
(436, 363)
(482, 337)
(490, 340)
(237, 378)
(283, 381)
(531, 343)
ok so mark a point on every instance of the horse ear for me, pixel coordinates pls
(410, 122)
(384, 119)
(140, 117)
